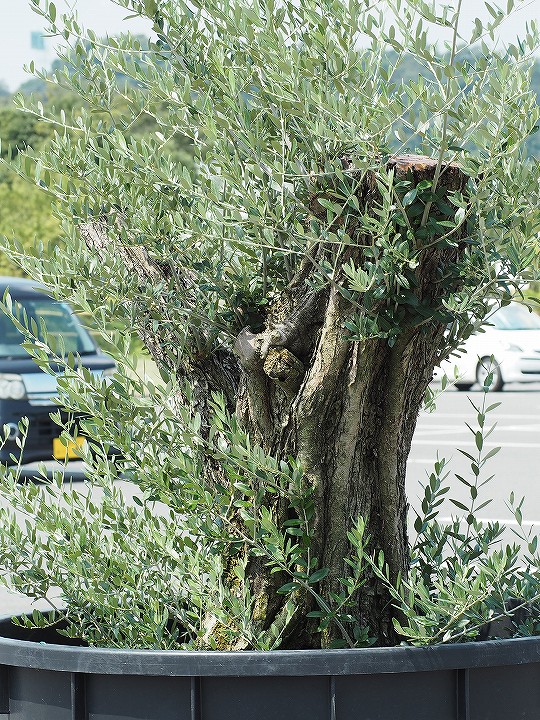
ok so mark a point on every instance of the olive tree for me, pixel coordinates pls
(340, 233)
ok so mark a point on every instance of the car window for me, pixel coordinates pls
(63, 329)
(515, 317)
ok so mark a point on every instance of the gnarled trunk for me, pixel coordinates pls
(347, 410)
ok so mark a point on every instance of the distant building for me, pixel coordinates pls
(41, 50)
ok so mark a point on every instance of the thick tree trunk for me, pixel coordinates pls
(347, 411)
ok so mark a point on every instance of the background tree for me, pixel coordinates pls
(305, 270)
(26, 213)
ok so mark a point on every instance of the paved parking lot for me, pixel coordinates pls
(516, 466)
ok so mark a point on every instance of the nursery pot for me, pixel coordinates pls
(43, 679)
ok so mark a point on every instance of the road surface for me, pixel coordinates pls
(516, 466)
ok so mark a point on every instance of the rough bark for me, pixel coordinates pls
(347, 411)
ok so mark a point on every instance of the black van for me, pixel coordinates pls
(25, 390)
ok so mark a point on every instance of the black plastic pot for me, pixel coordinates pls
(492, 680)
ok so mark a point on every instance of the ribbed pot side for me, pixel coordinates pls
(43, 680)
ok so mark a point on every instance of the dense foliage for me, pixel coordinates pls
(19, 131)
(296, 286)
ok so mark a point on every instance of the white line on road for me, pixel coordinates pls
(470, 443)
(441, 430)
(462, 428)
(501, 521)
(494, 417)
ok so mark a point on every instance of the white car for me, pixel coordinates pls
(512, 339)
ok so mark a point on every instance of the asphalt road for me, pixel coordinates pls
(441, 434)
(516, 467)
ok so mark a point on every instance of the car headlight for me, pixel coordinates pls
(512, 347)
(12, 387)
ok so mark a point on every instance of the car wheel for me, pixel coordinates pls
(486, 366)
(463, 386)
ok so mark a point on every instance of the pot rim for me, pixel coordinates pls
(185, 663)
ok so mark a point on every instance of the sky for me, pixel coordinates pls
(17, 22)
